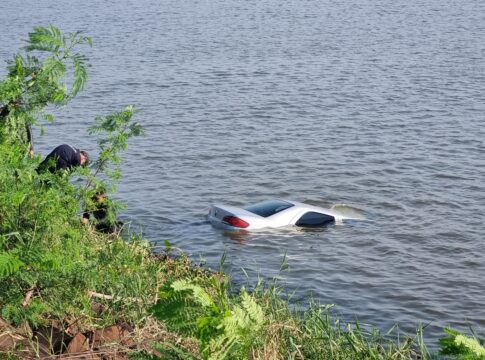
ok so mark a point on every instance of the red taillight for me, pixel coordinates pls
(235, 221)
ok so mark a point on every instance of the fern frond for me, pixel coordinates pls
(9, 264)
(220, 348)
(237, 323)
(253, 309)
(240, 327)
(200, 295)
(178, 310)
(48, 39)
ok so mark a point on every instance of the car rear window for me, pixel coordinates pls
(268, 208)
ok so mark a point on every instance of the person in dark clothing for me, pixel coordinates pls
(4, 112)
(64, 157)
(101, 215)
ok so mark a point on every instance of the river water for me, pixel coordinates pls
(375, 104)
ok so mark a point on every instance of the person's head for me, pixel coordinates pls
(84, 158)
(100, 195)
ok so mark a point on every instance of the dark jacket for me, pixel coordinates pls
(62, 157)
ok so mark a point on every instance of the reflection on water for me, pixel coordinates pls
(244, 236)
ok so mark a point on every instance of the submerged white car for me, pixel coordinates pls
(272, 214)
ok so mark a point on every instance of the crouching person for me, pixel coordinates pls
(101, 215)
(64, 157)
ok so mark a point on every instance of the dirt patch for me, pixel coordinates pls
(54, 342)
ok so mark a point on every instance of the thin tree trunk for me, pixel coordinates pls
(30, 139)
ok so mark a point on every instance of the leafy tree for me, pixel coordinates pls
(113, 132)
(33, 82)
(48, 259)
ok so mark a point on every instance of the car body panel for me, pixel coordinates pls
(289, 216)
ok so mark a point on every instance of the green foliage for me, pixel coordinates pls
(51, 40)
(46, 252)
(167, 350)
(242, 325)
(49, 261)
(40, 228)
(9, 264)
(47, 39)
(223, 330)
(6, 356)
(261, 325)
(34, 82)
(462, 346)
(179, 308)
(113, 132)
